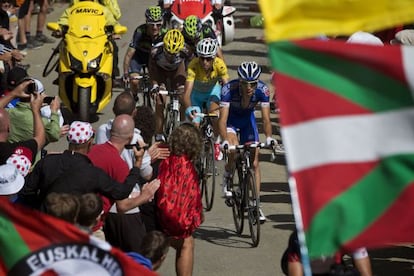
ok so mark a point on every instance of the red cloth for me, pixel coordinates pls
(178, 198)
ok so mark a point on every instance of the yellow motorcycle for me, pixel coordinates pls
(85, 59)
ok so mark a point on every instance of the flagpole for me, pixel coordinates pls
(299, 226)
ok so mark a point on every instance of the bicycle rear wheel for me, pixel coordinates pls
(208, 175)
(252, 206)
(238, 202)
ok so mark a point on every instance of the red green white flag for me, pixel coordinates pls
(32, 243)
(347, 116)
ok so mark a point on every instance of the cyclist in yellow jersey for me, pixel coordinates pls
(202, 86)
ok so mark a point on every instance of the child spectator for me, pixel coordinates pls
(155, 247)
(90, 211)
(63, 206)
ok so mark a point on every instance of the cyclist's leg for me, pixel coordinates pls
(178, 81)
(159, 113)
(233, 140)
(230, 166)
(249, 133)
(134, 69)
(213, 106)
(198, 98)
(162, 78)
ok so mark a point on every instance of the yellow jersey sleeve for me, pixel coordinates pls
(221, 68)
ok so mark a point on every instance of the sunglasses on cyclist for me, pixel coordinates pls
(248, 83)
(137, 146)
(206, 58)
(155, 24)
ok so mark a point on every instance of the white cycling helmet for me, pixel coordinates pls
(207, 47)
(249, 71)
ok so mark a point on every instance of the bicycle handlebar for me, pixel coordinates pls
(169, 93)
(247, 145)
(206, 115)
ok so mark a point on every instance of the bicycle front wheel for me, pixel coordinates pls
(252, 206)
(208, 175)
(238, 202)
(171, 121)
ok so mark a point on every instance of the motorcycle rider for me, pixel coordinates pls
(216, 4)
(194, 31)
(63, 20)
(137, 54)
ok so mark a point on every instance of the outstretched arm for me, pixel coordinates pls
(38, 127)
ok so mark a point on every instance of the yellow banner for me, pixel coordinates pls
(295, 19)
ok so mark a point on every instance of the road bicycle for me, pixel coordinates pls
(172, 115)
(144, 87)
(245, 198)
(207, 164)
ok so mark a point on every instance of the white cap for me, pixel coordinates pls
(11, 180)
(39, 86)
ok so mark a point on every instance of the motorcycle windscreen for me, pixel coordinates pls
(184, 8)
(87, 19)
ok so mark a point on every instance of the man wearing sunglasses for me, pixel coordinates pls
(139, 48)
(202, 86)
(239, 98)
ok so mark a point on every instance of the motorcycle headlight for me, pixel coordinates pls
(93, 65)
(75, 64)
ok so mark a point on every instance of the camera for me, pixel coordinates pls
(137, 146)
(31, 88)
(48, 100)
(34, 86)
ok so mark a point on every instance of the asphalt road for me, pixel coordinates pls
(219, 250)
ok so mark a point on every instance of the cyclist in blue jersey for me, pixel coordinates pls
(239, 97)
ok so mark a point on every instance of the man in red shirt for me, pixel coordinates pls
(123, 226)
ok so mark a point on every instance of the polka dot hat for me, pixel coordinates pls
(80, 132)
(21, 162)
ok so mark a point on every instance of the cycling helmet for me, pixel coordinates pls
(249, 71)
(192, 27)
(153, 14)
(173, 41)
(207, 47)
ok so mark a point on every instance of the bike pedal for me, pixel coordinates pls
(229, 202)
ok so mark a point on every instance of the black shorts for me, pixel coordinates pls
(124, 231)
(24, 9)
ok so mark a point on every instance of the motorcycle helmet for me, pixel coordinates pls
(173, 41)
(207, 47)
(192, 27)
(153, 14)
(249, 71)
